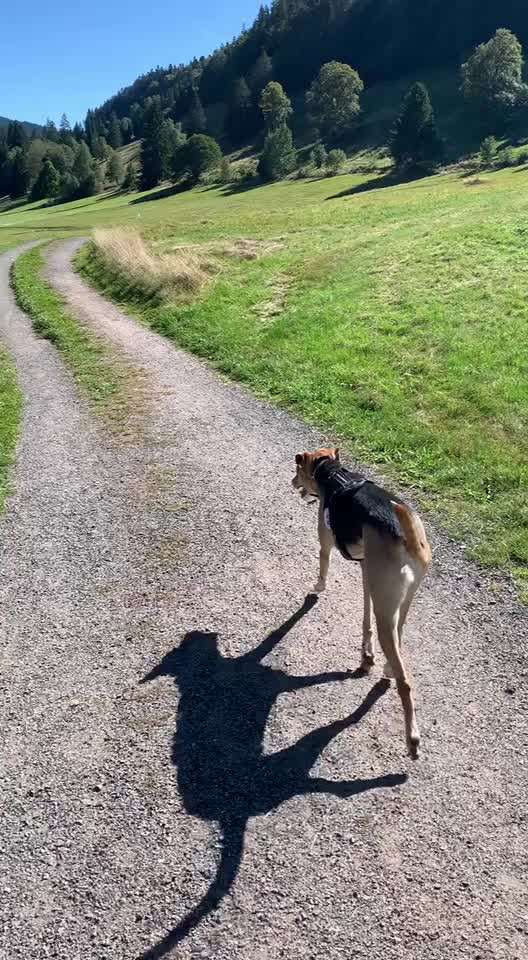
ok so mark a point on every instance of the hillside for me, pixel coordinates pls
(385, 40)
(28, 127)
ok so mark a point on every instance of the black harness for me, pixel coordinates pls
(350, 501)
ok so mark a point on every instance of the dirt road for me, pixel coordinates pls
(190, 766)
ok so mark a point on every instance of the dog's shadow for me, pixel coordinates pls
(223, 774)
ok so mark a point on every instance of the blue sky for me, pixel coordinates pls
(64, 56)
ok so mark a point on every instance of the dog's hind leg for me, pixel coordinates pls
(390, 581)
(368, 653)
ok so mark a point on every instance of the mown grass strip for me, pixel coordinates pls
(105, 379)
(415, 387)
(10, 418)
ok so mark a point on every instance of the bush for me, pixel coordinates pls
(488, 152)
(506, 157)
(197, 156)
(522, 156)
(225, 171)
(335, 161)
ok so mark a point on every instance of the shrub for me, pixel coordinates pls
(335, 160)
(488, 152)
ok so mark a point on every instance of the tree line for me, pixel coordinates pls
(57, 163)
(67, 163)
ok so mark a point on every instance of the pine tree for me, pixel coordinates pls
(48, 182)
(131, 181)
(278, 155)
(155, 148)
(19, 173)
(50, 131)
(115, 138)
(16, 135)
(64, 127)
(83, 163)
(415, 143)
(318, 155)
(240, 114)
(115, 170)
(275, 105)
(196, 118)
(261, 73)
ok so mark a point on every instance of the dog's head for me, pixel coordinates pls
(305, 464)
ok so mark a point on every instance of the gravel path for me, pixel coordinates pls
(249, 772)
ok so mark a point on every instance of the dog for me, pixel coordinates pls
(376, 528)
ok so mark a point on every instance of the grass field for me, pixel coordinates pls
(394, 316)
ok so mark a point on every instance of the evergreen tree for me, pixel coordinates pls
(127, 133)
(415, 143)
(115, 138)
(260, 73)
(48, 182)
(78, 132)
(318, 155)
(196, 118)
(16, 135)
(19, 173)
(50, 132)
(131, 181)
(155, 153)
(115, 170)
(333, 98)
(241, 110)
(275, 105)
(64, 128)
(83, 162)
(101, 150)
(278, 155)
(136, 119)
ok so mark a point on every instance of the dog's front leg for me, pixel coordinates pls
(326, 542)
(368, 652)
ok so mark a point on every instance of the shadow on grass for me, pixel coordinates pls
(223, 773)
(165, 192)
(380, 183)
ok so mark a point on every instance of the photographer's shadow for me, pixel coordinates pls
(223, 774)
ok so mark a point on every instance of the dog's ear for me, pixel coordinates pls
(336, 453)
(299, 458)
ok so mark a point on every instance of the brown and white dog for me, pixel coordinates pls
(369, 524)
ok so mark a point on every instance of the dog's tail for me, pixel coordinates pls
(413, 534)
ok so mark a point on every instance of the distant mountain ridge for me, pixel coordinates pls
(29, 127)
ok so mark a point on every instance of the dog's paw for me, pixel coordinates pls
(320, 586)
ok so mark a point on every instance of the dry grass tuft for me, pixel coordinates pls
(163, 276)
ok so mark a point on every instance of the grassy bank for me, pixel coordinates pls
(104, 379)
(10, 416)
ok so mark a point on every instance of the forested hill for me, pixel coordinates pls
(288, 42)
(28, 127)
